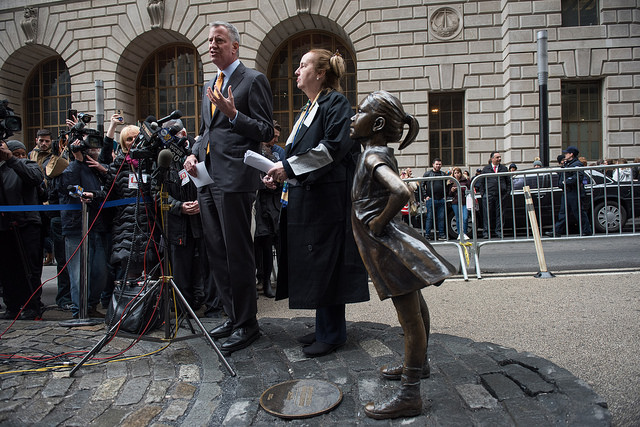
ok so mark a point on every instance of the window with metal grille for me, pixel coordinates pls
(581, 117)
(579, 13)
(48, 97)
(172, 79)
(446, 128)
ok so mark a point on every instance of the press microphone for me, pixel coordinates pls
(164, 163)
(174, 115)
(164, 158)
(75, 191)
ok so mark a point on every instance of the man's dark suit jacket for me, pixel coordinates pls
(226, 204)
(490, 185)
(253, 100)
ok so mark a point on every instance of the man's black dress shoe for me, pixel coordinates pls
(240, 338)
(222, 331)
(318, 349)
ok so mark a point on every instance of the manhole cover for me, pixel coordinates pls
(300, 398)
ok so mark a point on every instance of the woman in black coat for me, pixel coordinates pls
(133, 250)
(319, 266)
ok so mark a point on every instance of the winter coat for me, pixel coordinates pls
(78, 173)
(134, 219)
(438, 186)
(19, 183)
(319, 263)
(181, 227)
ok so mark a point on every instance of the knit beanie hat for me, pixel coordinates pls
(15, 145)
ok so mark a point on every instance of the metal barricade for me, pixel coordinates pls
(605, 196)
(572, 203)
(428, 212)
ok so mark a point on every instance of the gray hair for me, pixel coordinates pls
(231, 29)
(173, 122)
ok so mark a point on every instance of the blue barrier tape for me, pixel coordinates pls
(30, 208)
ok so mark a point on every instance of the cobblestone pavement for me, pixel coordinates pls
(472, 383)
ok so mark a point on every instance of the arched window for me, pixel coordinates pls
(172, 80)
(287, 98)
(48, 99)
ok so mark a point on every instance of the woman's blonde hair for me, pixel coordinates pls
(125, 133)
(332, 64)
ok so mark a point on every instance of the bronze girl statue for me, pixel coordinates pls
(399, 260)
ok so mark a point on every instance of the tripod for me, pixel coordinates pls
(167, 284)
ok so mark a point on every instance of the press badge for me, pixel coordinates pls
(133, 180)
(184, 177)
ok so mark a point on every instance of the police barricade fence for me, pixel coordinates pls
(433, 215)
(590, 202)
(83, 294)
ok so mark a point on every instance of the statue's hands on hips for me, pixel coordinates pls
(377, 226)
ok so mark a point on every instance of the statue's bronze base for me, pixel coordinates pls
(301, 398)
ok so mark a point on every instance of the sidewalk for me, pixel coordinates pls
(472, 381)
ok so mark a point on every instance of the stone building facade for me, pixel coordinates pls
(480, 52)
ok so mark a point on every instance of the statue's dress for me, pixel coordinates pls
(399, 261)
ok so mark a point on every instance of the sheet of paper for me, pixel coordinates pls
(263, 164)
(203, 177)
(257, 161)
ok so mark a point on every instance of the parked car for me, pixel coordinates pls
(610, 202)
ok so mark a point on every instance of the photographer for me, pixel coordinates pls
(20, 233)
(106, 154)
(53, 171)
(81, 182)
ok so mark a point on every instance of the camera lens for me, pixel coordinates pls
(13, 123)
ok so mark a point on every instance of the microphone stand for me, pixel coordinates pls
(169, 284)
(83, 294)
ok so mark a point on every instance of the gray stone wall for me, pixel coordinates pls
(486, 49)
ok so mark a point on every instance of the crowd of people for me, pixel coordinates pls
(427, 207)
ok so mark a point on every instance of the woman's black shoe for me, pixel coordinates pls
(268, 290)
(307, 339)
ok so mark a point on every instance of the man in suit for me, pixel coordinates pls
(236, 116)
(494, 191)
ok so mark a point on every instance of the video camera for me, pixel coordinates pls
(153, 138)
(57, 145)
(9, 122)
(78, 131)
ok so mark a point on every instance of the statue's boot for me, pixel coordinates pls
(395, 372)
(406, 403)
